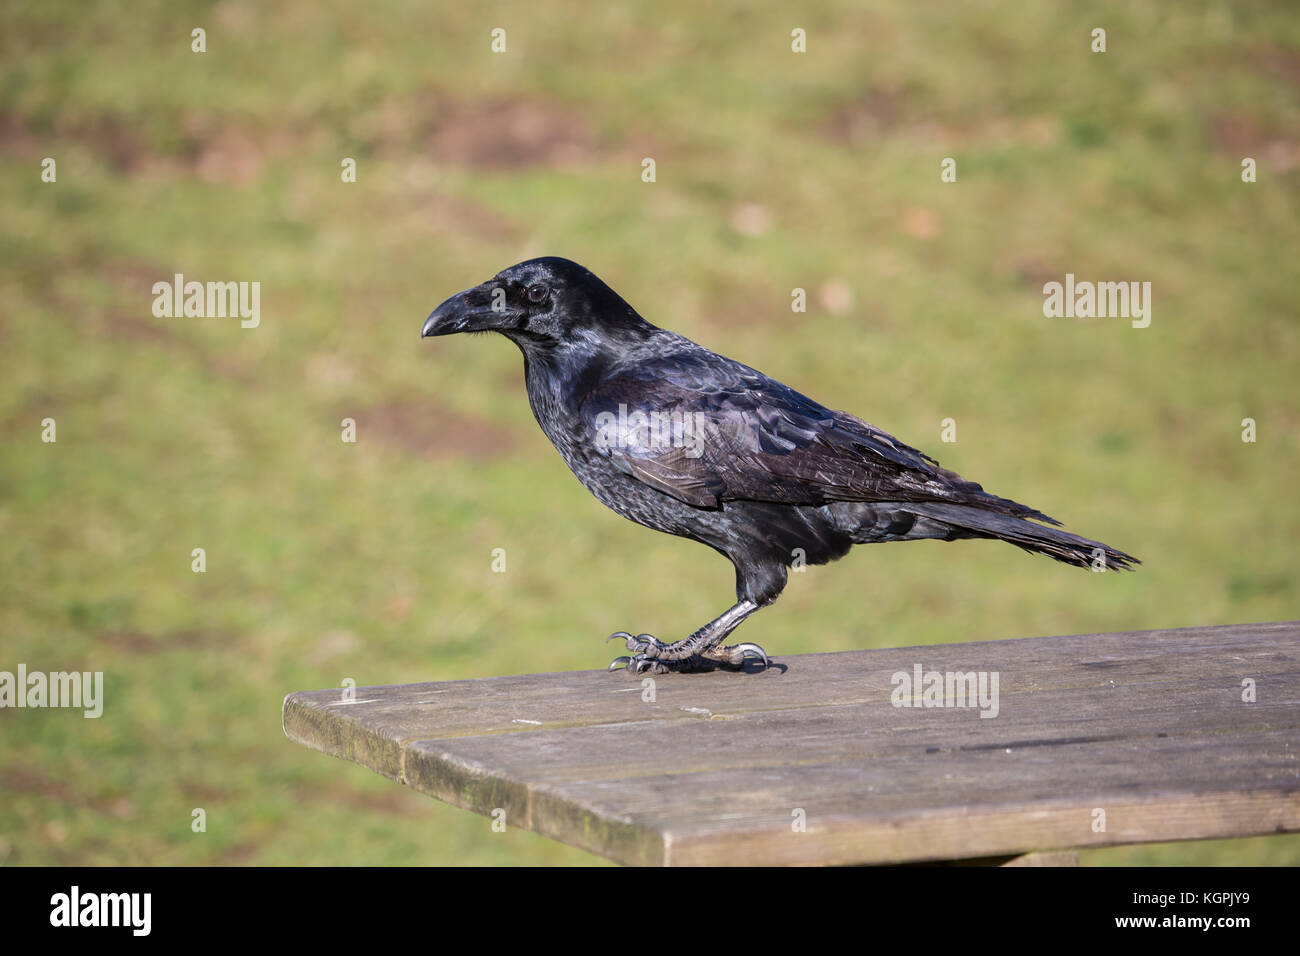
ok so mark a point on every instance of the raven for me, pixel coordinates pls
(680, 439)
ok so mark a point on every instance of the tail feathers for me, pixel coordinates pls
(957, 490)
(969, 521)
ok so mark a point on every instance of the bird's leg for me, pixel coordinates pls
(701, 651)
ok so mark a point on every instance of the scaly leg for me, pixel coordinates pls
(699, 652)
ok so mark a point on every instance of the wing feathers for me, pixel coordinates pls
(728, 432)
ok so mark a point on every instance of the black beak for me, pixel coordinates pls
(448, 318)
(471, 311)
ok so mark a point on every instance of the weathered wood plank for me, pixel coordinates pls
(1149, 727)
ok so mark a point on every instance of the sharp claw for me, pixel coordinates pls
(640, 644)
(645, 650)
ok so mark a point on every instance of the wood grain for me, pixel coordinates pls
(1148, 728)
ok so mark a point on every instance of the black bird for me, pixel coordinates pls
(686, 441)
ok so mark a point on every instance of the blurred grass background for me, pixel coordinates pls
(328, 560)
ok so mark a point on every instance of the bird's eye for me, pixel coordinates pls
(536, 293)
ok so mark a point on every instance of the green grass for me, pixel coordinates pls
(328, 560)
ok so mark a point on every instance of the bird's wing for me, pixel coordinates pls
(725, 432)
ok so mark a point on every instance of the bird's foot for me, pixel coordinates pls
(652, 656)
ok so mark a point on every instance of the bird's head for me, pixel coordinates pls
(537, 303)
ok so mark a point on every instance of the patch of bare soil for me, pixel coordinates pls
(134, 642)
(432, 431)
(1239, 135)
(867, 118)
(216, 150)
(497, 133)
(510, 133)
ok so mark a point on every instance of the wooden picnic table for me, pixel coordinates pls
(1098, 739)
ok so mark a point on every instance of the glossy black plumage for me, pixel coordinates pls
(740, 462)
